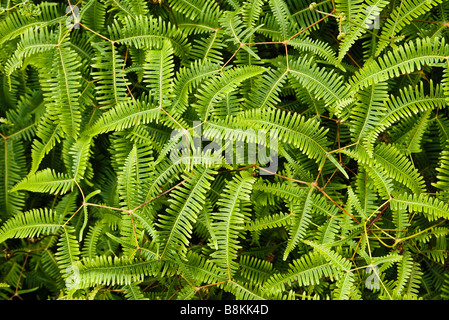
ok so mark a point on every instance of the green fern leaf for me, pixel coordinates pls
(301, 220)
(330, 255)
(361, 19)
(145, 32)
(46, 181)
(345, 286)
(401, 16)
(30, 224)
(211, 91)
(404, 59)
(68, 252)
(307, 270)
(186, 203)
(112, 86)
(431, 207)
(229, 222)
(158, 72)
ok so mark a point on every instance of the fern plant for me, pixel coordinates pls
(351, 96)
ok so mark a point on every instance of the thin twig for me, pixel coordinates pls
(158, 196)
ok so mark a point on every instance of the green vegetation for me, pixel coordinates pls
(351, 96)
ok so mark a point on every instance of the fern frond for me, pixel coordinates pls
(201, 269)
(251, 11)
(400, 17)
(46, 181)
(112, 271)
(268, 222)
(115, 182)
(411, 140)
(393, 164)
(305, 271)
(32, 223)
(398, 167)
(339, 262)
(192, 8)
(12, 168)
(128, 180)
(133, 292)
(233, 27)
(126, 9)
(208, 50)
(320, 48)
(212, 90)
(32, 42)
(77, 156)
(443, 171)
(229, 221)
(158, 73)
(17, 23)
(148, 32)
(63, 89)
(186, 202)
(243, 291)
(300, 222)
(345, 287)
(49, 133)
(281, 13)
(112, 83)
(124, 115)
(68, 252)
(50, 266)
(361, 19)
(327, 85)
(351, 8)
(268, 89)
(285, 191)
(382, 182)
(407, 58)
(409, 101)
(293, 129)
(369, 110)
(93, 15)
(89, 247)
(256, 270)
(328, 231)
(409, 274)
(431, 207)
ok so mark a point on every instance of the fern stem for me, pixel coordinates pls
(221, 69)
(335, 203)
(328, 180)
(171, 118)
(20, 277)
(264, 42)
(418, 233)
(367, 240)
(105, 207)
(368, 30)
(284, 177)
(318, 4)
(13, 7)
(96, 33)
(386, 245)
(158, 196)
(65, 223)
(308, 27)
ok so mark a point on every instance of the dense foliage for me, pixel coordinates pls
(351, 95)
